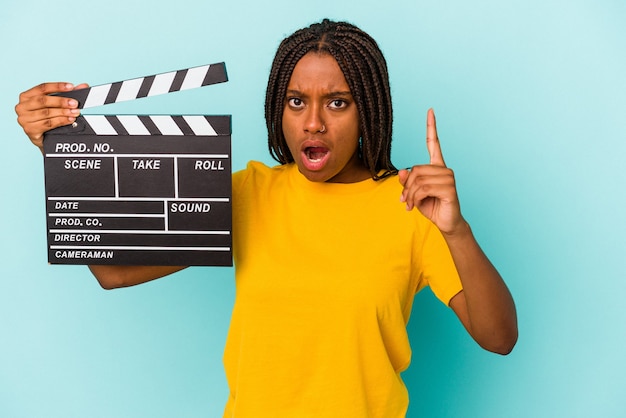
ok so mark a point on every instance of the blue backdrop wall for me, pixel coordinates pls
(531, 104)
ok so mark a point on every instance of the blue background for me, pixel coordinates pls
(531, 104)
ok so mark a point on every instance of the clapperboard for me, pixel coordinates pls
(140, 189)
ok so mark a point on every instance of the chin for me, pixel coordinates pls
(314, 176)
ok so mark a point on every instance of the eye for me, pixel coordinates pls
(295, 102)
(338, 104)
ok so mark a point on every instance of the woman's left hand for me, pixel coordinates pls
(431, 188)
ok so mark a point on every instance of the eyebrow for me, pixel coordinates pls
(345, 93)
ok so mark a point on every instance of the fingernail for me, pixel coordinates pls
(74, 111)
(69, 86)
(73, 102)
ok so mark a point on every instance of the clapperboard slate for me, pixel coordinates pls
(140, 189)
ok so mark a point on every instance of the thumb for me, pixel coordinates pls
(403, 175)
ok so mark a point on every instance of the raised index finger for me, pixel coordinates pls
(432, 140)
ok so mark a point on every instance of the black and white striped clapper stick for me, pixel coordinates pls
(185, 79)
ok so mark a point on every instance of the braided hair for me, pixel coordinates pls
(365, 70)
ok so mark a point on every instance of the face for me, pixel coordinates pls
(321, 122)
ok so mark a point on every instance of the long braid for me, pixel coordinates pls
(365, 70)
(375, 151)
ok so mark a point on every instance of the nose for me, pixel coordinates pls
(313, 120)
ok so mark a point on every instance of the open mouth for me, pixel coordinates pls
(315, 154)
(315, 158)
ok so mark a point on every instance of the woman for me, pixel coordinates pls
(329, 250)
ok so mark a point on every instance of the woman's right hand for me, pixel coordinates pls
(38, 112)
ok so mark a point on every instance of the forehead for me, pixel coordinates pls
(318, 70)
